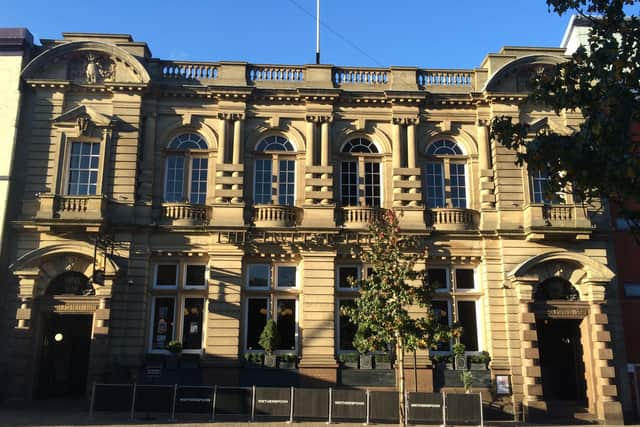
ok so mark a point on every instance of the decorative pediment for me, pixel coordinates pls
(86, 62)
(84, 120)
(517, 75)
(545, 123)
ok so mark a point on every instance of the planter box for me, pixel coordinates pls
(172, 362)
(270, 361)
(383, 364)
(286, 365)
(366, 361)
(351, 364)
(477, 366)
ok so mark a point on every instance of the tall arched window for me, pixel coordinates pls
(445, 175)
(274, 172)
(186, 172)
(360, 183)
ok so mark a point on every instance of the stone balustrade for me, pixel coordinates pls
(77, 208)
(359, 217)
(185, 213)
(276, 216)
(541, 217)
(452, 219)
(320, 76)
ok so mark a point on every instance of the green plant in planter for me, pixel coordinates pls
(383, 361)
(481, 359)
(288, 361)
(458, 349)
(175, 347)
(441, 358)
(349, 360)
(253, 358)
(467, 380)
(269, 341)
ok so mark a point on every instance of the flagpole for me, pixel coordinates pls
(317, 31)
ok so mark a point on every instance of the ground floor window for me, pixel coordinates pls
(465, 315)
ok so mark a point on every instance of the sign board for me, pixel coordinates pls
(154, 398)
(194, 400)
(463, 409)
(349, 404)
(273, 402)
(113, 397)
(425, 408)
(233, 401)
(383, 406)
(310, 403)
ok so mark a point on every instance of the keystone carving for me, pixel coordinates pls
(92, 68)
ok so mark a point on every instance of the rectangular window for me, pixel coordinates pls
(344, 273)
(166, 275)
(468, 321)
(286, 321)
(372, 184)
(286, 276)
(192, 323)
(347, 330)
(195, 276)
(632, 290)
(464, 278)
(437, 277)
(258, 275)
(175, 179)
(286, 182)
(264, 178)
(83, 168)
(441, 313)
(163, 320)
(434, 178)
(256, 319)
(198, 181)
(458, 185)
(349, 183)
(538, 182)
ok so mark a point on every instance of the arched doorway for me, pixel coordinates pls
(65, 340)
(560, 342)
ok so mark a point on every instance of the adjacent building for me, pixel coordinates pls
(161, 200)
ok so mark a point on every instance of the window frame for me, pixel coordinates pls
(361, 159)
(185, 285)
(446, 161)
(338, 323)
(155, 276)
(360, 273)
(562, 198)
(189, 155)
(65, 165)
(276, 156)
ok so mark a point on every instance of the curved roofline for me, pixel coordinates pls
(506, 68)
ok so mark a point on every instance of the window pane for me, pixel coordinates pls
(437, 277)
(349, 183)
(162, 322)
(372, 184)
(286, 277)
(286, 182)
(464, 278)
(346, 328)
(441, 314)
(343, 276)
(166, 275)
(458, 183)
(175, 178)
(434, 179)
(467, 319)
(258, 275)
(198, 181)
(256, 319)
(83, 168)
(286, 321)
(263, 181)
(195, 275)
(192, 324)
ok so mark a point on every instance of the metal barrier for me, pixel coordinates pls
(286, 403)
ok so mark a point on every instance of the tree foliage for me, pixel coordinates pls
(381, 311)
(600, 158)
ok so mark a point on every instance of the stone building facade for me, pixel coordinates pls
(166, 200)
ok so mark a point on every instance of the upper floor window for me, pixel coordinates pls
(186, 170)
(360, 183)
(84, 160)
(538, 182)
(275, 172)
(445, 175)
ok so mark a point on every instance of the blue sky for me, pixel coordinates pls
(423, 33)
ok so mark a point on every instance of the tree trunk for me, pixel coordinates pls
(401, 385)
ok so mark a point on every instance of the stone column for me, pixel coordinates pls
(222, 144)
(311, 134)
(396, 147)
(487, 199)
(411, 144)
(238, 140)
(325, 150)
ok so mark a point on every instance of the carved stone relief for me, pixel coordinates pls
(91, 68)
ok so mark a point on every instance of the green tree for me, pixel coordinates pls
(600, 159)
(381, 310)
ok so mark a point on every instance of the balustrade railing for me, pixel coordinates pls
(182, 70)
(185, 212)
(275, 216)
(452, 219)
(276, 73)
(360, 76)
(360, 216)
(77, 207)
(445, 78)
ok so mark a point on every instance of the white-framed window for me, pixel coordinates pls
(445, 175)
(345, 294)
(179, 305)
(345, 330)
(457, 301)
(83, 168)
(275, 172)
(344, 273)
(360, 174)
(537, 182)
(187, 163)
(271, 292)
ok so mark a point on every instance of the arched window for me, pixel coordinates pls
(360, 174)
(445, 175)
(186, 172)
(70, 283)
(274, 172)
